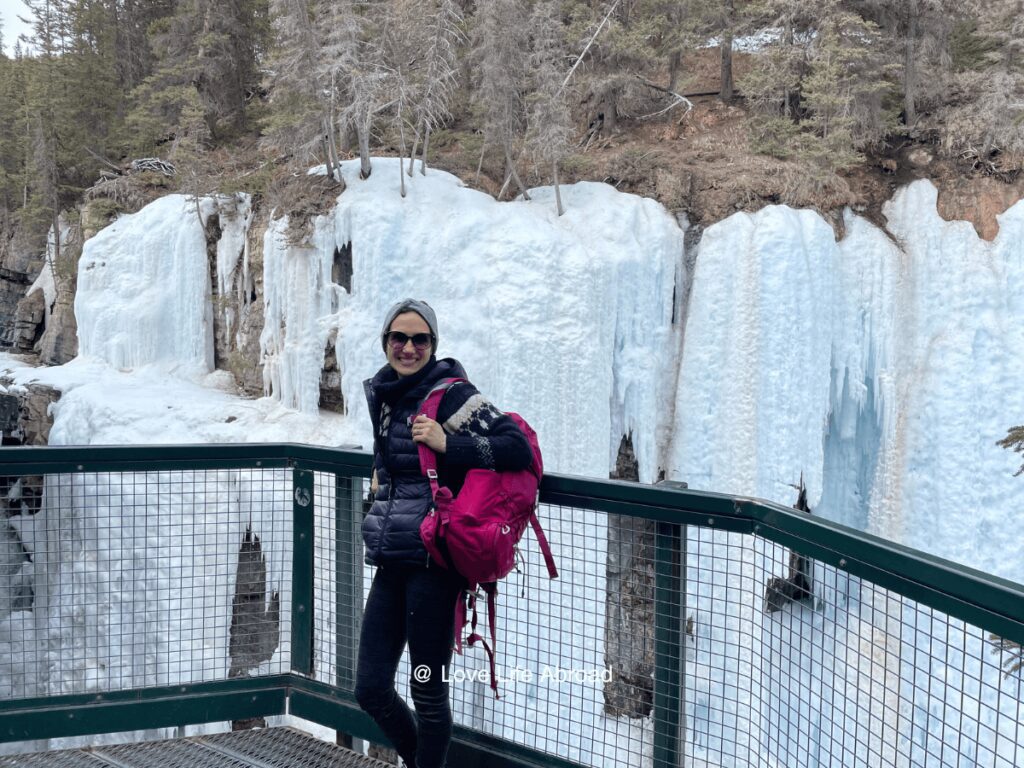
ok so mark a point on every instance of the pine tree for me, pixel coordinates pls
(1014, 441)
(436, 86)
(131, 19)
(353, 71)
(845, 92)
(621, 40)
(550, 125)
(982, 121)
(722, 20)
(772, 86)
(208, 47)
(43, 91)
(9, 137)
(501, 50)
(402, 45)
(823, 91)
(91, 106)
(918, 31)
(299, 116)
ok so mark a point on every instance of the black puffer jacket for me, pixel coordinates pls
(478, 436)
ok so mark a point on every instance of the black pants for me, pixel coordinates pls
(417, 605)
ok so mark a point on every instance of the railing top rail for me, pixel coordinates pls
(980, 598)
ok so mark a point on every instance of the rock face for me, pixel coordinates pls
(10, 408)
(979, 200)
(254, 619)
(59, 342)
(28, 323)
(21, 258)
(330, 381)
(239, 350)
(43, 318)
(24, 414)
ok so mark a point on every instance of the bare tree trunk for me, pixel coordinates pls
(401, 154)
(480, 165)
(629, 604)
(787, 107)
(726, 47)
(910, 66)
(674, 62)
(345, 143)
(515, 175)
(57, 289)
(334, 153)
(426, 146)
(363, 131)
(610, 111)
(329, 161)
(558, 193)
(325, 124)
(415, 148)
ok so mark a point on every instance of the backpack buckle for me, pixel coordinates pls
(432, 474)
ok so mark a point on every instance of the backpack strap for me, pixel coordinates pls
(460, 620)
(429, 407)
(545, 549)
(492, 621)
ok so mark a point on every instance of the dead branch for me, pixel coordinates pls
(154, 164)
(679, 99)
(103, 160)
(587, 46)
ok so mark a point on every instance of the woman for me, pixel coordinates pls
(412, 598)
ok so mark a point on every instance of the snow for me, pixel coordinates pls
(881, 369)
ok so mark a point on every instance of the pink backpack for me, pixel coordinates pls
(481, 527)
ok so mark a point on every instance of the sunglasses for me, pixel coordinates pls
(397, 340)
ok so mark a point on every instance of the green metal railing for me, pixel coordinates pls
(166, 586)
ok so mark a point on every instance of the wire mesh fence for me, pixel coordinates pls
(784, 660)
(659, 644)
(123, 580)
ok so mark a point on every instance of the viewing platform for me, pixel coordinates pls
(149, 591)
(260, 748)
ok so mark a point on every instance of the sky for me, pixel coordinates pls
(12, 27)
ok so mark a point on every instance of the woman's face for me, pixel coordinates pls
(407, 358)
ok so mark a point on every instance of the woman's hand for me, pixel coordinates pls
(426, 430)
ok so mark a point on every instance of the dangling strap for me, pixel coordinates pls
(460, 621)
(429, 408)
(545, 549)
(492, 621)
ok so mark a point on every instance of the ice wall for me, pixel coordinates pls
(957, 367)
(882, 368)
(144, 290)
(563, 319)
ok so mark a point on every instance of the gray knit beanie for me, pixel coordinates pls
(421, 308)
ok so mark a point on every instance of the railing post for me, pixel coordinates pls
(302, 571)
(348, 583)
(669, 632)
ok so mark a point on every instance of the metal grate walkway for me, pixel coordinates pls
(260, 748)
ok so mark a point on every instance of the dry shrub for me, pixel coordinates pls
(669, 189)
(302, 197)
(803, 187)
